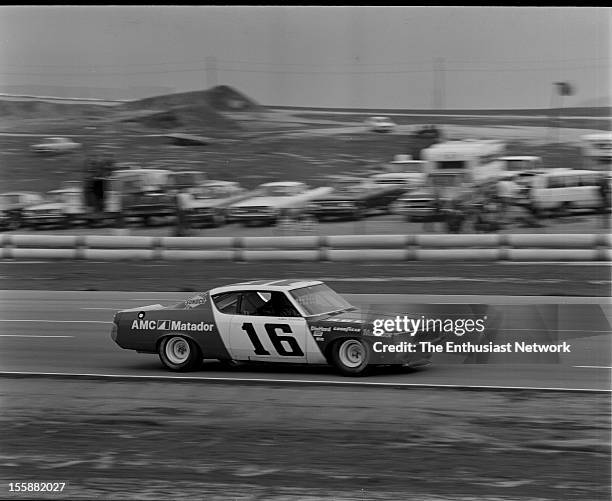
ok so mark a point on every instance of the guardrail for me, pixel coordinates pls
(429, 247)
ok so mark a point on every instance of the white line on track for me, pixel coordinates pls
(28, 335)
(592, 366)
(58, 321)
(111, 309)
(296, 381)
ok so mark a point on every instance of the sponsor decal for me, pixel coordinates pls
(347, 328)
(319, 329)
(174, 325)
(192, 302)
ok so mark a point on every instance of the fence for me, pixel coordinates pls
(438, 247)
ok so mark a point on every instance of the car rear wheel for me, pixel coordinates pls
(351, 356)
(179, 353)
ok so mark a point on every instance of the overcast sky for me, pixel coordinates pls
(317, 56)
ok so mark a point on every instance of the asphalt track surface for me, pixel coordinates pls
(63, 333)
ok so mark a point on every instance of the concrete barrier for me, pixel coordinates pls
(279, 255)
(439, 247)
(118, 242)
(29, 253)
(454, 241)
(197, 242)
(457, 254)
(196, 255)
(558, 241)
(116, 254)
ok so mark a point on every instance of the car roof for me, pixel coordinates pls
(520, 157)
(599, 136)
(19, 193)
(218, 182)
(391, 175)
(139, 171)
(270, 285)
(284, 183)
(561, 171)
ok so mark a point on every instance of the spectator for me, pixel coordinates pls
(603, 189)
(182, 199)
(506, 192)
(531, 214)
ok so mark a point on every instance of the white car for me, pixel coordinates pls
(380, 124)
(55, 145)
(272, 201)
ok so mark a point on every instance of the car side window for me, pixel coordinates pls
(227, 302)
(266, 303)
(251, 302)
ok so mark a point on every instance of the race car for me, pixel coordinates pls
(286, 321)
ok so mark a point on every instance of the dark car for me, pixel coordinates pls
(355, 199)
(281, 321)
(12, 204)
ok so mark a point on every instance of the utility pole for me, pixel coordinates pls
(210, 71)
(439, 84)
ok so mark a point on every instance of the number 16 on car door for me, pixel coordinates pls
(268, 338)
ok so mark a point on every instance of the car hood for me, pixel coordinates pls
(48, 206)
(261, 201)
(353, 321)
(203, 203)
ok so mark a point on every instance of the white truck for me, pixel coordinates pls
(597, 151)
(453, 168)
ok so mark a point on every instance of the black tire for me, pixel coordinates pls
(147, 220)
(359, 213)
(565, 209)
(351, 356)
(179, 353)
(14, 222)
(218, 220)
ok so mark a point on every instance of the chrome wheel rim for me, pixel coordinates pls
(178, 350)
(352, 353)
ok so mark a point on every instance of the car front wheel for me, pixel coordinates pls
(351, 356)
(179, 353)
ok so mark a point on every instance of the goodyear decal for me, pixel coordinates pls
(174, 325)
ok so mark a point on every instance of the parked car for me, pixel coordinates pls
(354, 198)
(55, 145)
(273, 201)
(561, 191)
(210, 201)
(424, 203)
(12, 204)
(64, 207)
(380, 124)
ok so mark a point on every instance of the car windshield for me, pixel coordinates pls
(55, 197)
(415, 168)
(319, 299)
(141, 181)
(205, 192)
(188, 178)
(281, 191)
(9, 199)
(516, 165)
(444, 180)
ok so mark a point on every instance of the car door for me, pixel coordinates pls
(259, 336)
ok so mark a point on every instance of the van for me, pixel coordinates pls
(563, 190)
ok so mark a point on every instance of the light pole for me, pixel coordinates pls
(560, 89)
